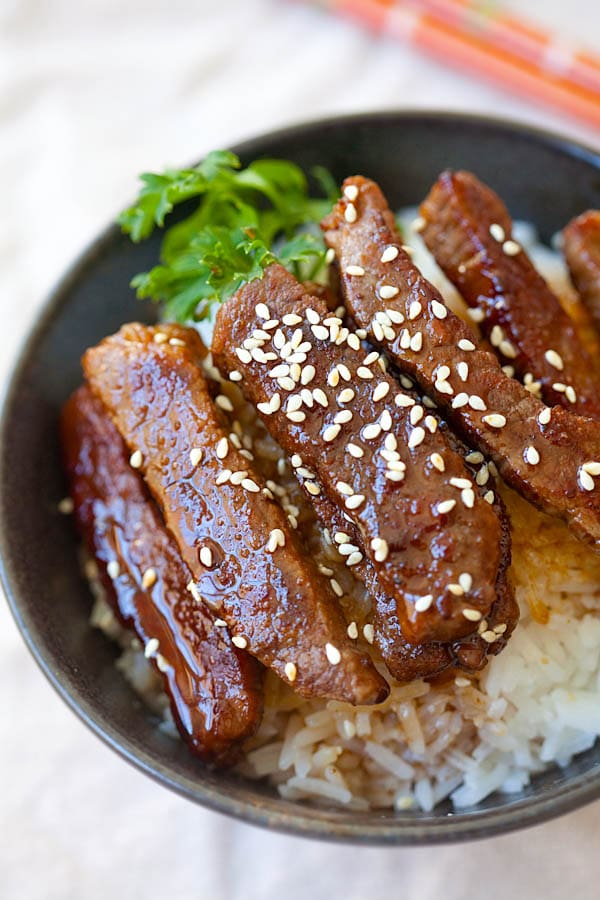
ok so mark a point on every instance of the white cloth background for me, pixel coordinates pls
(91, 93)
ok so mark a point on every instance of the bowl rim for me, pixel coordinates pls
(401, 831)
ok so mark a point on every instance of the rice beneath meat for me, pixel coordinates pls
(536, 704)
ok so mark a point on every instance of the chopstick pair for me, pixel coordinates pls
(490, 42)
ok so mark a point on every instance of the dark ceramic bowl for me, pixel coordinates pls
(543, 178)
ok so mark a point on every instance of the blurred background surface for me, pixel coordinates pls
(90, 94)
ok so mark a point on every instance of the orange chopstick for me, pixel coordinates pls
(508, 51)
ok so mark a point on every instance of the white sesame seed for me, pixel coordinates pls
(405, 339)
(489, 637)
(344, 372)
(160, 337)
(465, 579)
(444, 387)
(559, 387)
(195, 593)
(468, 497)
(446, 506)
(276, 539)
(234, 375)
(222, 448)
(416, 342)
(438, 462)
(297, 416)
(369, 633)
(378, 331)
(353, 341)
(389, 254)
(418, 224)
(294, 403)
(296, 461)
(465, 344)
(320, 332)
(224, 403)
(239, 641)
(463, 370)
(585, 480)
(423, 603)
(320, 397)
(532, 456)
(136, 459)
(388, 291)
(351, 192)
(347, 548)
(354, 558)
(308, 373)
(249, 485)
(372, 431)
(262, 311)
(380, 548)
(352, 631)
(312, 488)
(344, 488)
(442, 373)
(545, 416)
(333, 654)
(474, 457)
(354, 501)
(392, 475)
(494, 420)
(489, 497)
(508, 349)
(416, 414)
(291, 319)
(176, 342)
(355, 451)
(592, 467)
(497, 232)
(346, 395)
(340, 537)
(403, 400)
(455, 589)
(570, 394)
(473, 615)
(206, 557)
(390, 442)
(113, 569)
(151, 648)
(336, 587)
(312, 316)
(476, 315)
(350, 213)
(355, 270)
(511, 248)
(483, 476)
(364, 373)
(331, 432)
(460, 483)
(496, 336)
(279, 371)
(343, 417)
(417, 436)
(414, 310)
(243, 355)
(460, 400)
(381, 391)
(438, 309)
(476, 402)
(149, 578)
(385, 420)
(223, 476)
(461, 682)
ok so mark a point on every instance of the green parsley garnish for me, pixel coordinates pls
(245, 220)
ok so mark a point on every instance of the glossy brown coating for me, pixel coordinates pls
(427, 550)
(215, 689)
(581, 246)
(469, 231)
(276, 604)
(563, 444)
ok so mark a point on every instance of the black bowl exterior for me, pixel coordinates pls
(542, 178)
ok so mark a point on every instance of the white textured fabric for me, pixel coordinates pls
(90, 94)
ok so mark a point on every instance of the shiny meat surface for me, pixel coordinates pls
(551, 456)
(469, 231)
(215, 688)
(246, 561)
(376, 454)
(581, 246)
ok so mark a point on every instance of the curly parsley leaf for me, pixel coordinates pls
(245, 220)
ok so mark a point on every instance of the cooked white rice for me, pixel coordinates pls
(535, 705)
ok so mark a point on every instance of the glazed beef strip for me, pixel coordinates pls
(376, 454)
(469, 231)
(550, 455)
(215, 689)
(581, 246)
(245, 559)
